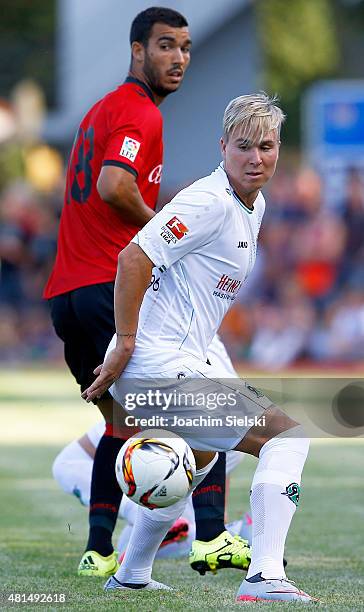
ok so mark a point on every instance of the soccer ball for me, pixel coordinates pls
(155, 468)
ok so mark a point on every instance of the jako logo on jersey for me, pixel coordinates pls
(130, 148)
(242, 245)
(227, 288)
(156, 174)
(178, 228)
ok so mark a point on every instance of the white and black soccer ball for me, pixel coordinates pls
(155, 468)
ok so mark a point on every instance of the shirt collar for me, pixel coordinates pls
(233, 192)
(145, 87)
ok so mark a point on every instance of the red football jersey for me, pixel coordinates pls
(123, 129)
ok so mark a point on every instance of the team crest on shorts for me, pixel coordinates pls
(293, 492)
(174, 230)
(130, 148)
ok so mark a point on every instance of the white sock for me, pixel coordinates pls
(150, 527)
(127, 510)
(273, 498)
(124, 538)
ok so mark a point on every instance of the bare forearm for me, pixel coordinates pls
(118, 188)
(130, 205)
(132, 280)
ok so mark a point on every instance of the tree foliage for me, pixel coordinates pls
(27, 44)
(299, 43)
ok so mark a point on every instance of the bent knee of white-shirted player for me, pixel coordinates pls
(72, 469)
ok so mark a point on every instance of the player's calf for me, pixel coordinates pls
(275, 495)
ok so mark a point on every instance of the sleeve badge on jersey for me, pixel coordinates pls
(177, 228)
(174, 230)
(130, 148)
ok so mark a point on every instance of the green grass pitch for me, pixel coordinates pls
(43, 531)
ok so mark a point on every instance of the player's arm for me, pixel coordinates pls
(150, 249)
(132, 280)
(118, 188)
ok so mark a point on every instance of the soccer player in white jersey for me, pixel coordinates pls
(201, 247)
(72, 469)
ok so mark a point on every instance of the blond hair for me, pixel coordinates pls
(255, 115)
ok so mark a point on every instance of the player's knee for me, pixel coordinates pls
(203, 458)
(60, 471)
(201, 473)
(282, 458)
(300, 440)
(72, 469)
(294, 440)
(286, 453)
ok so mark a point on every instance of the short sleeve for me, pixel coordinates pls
(126, 143)
(191, 220)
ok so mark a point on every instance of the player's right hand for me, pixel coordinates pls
(107, 373)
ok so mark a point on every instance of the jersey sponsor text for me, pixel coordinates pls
(156, 174)
(230, 285)
(227, 288)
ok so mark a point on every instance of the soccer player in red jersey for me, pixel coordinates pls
(112, 188)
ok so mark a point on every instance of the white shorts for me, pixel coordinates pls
(193, 400)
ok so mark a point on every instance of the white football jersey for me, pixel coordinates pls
(218, 356)
(203, 246)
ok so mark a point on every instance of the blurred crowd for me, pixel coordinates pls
(28, 234)
(303, 301)
(305, 298)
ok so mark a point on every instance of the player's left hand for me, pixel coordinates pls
(107, 374)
